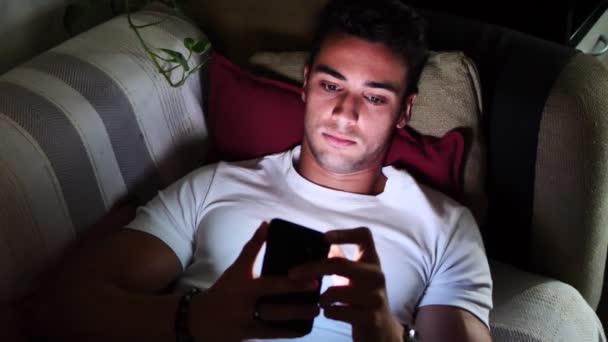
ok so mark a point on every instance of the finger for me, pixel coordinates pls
(336, 251)
(363, 274)
(352, 296)
(269, 285)
(284, 312)
(262, 330)
(359, 236)
(345, 313)
(252, 248)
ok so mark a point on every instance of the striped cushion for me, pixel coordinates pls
(82, 126)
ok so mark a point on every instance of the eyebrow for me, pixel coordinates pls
(322, 68)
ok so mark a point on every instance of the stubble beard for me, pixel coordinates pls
(334, 161)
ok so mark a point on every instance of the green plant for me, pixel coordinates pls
(84, 14)
(172, 59)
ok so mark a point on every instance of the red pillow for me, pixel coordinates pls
(251, 116)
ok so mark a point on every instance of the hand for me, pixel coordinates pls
(363, 302)
(224, 312)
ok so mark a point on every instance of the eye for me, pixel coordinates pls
(332, 88)
(375, 100)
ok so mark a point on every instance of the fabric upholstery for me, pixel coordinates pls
(517, 72)
(83, 125)
(570, 187)
(519, 75)
(449, 97)
(533, 308)
(251, 116)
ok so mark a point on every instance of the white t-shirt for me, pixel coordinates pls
(429, 246)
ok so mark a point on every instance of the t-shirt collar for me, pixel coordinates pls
(310, 190)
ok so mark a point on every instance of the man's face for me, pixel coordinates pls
(354, 94)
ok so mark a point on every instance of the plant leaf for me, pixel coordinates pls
(189, 43)
(178, 58)
(201, 47)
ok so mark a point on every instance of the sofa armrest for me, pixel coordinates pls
(529, 307)
(83, 126)
(569, 239)
(545, 126)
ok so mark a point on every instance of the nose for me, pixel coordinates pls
(347, 108)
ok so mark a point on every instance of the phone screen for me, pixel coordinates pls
(288, 245)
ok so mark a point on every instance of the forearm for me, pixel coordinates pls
(104, 311)
(110, 287)
(447, 323)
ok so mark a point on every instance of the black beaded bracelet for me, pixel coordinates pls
(182, 330)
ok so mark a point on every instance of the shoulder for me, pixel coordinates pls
(257, 167)
(455, 221)
(425, 201)
(198, 177)
(457, 232)
(445, 206)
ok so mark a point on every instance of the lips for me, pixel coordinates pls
(338, 141)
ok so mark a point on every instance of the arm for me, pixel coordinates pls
(109, 284)
(448, 323)
(363, 301)
(114, 285)
(114, 291)
(462, 280)
(458, 300)
(111, 289)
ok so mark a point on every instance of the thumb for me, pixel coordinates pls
(251, 249)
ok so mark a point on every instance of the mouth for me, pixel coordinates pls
(338, 141)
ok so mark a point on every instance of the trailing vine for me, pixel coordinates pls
(167, 61)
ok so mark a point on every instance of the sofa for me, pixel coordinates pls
(90, 130)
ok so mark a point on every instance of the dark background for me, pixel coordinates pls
(556, 21)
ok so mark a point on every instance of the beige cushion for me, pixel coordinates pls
(449, 97)
(532, 308)
(570, 203)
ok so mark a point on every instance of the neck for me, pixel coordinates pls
(368, 181)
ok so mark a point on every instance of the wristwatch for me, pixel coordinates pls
(410, 335)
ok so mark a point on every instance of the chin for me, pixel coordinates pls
(338, 164)
(338, 160)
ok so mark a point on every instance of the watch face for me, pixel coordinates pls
(410, 335)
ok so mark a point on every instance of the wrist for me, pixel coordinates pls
(396, 331)
(183, 316)
(409, 334)
(205, 322)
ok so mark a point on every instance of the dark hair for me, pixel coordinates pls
(390, 22)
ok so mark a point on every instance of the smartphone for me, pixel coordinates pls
(288, 245)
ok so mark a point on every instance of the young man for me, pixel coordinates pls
(402, 254)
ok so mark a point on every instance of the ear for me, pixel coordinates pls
(406, 110)
(305, 84)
